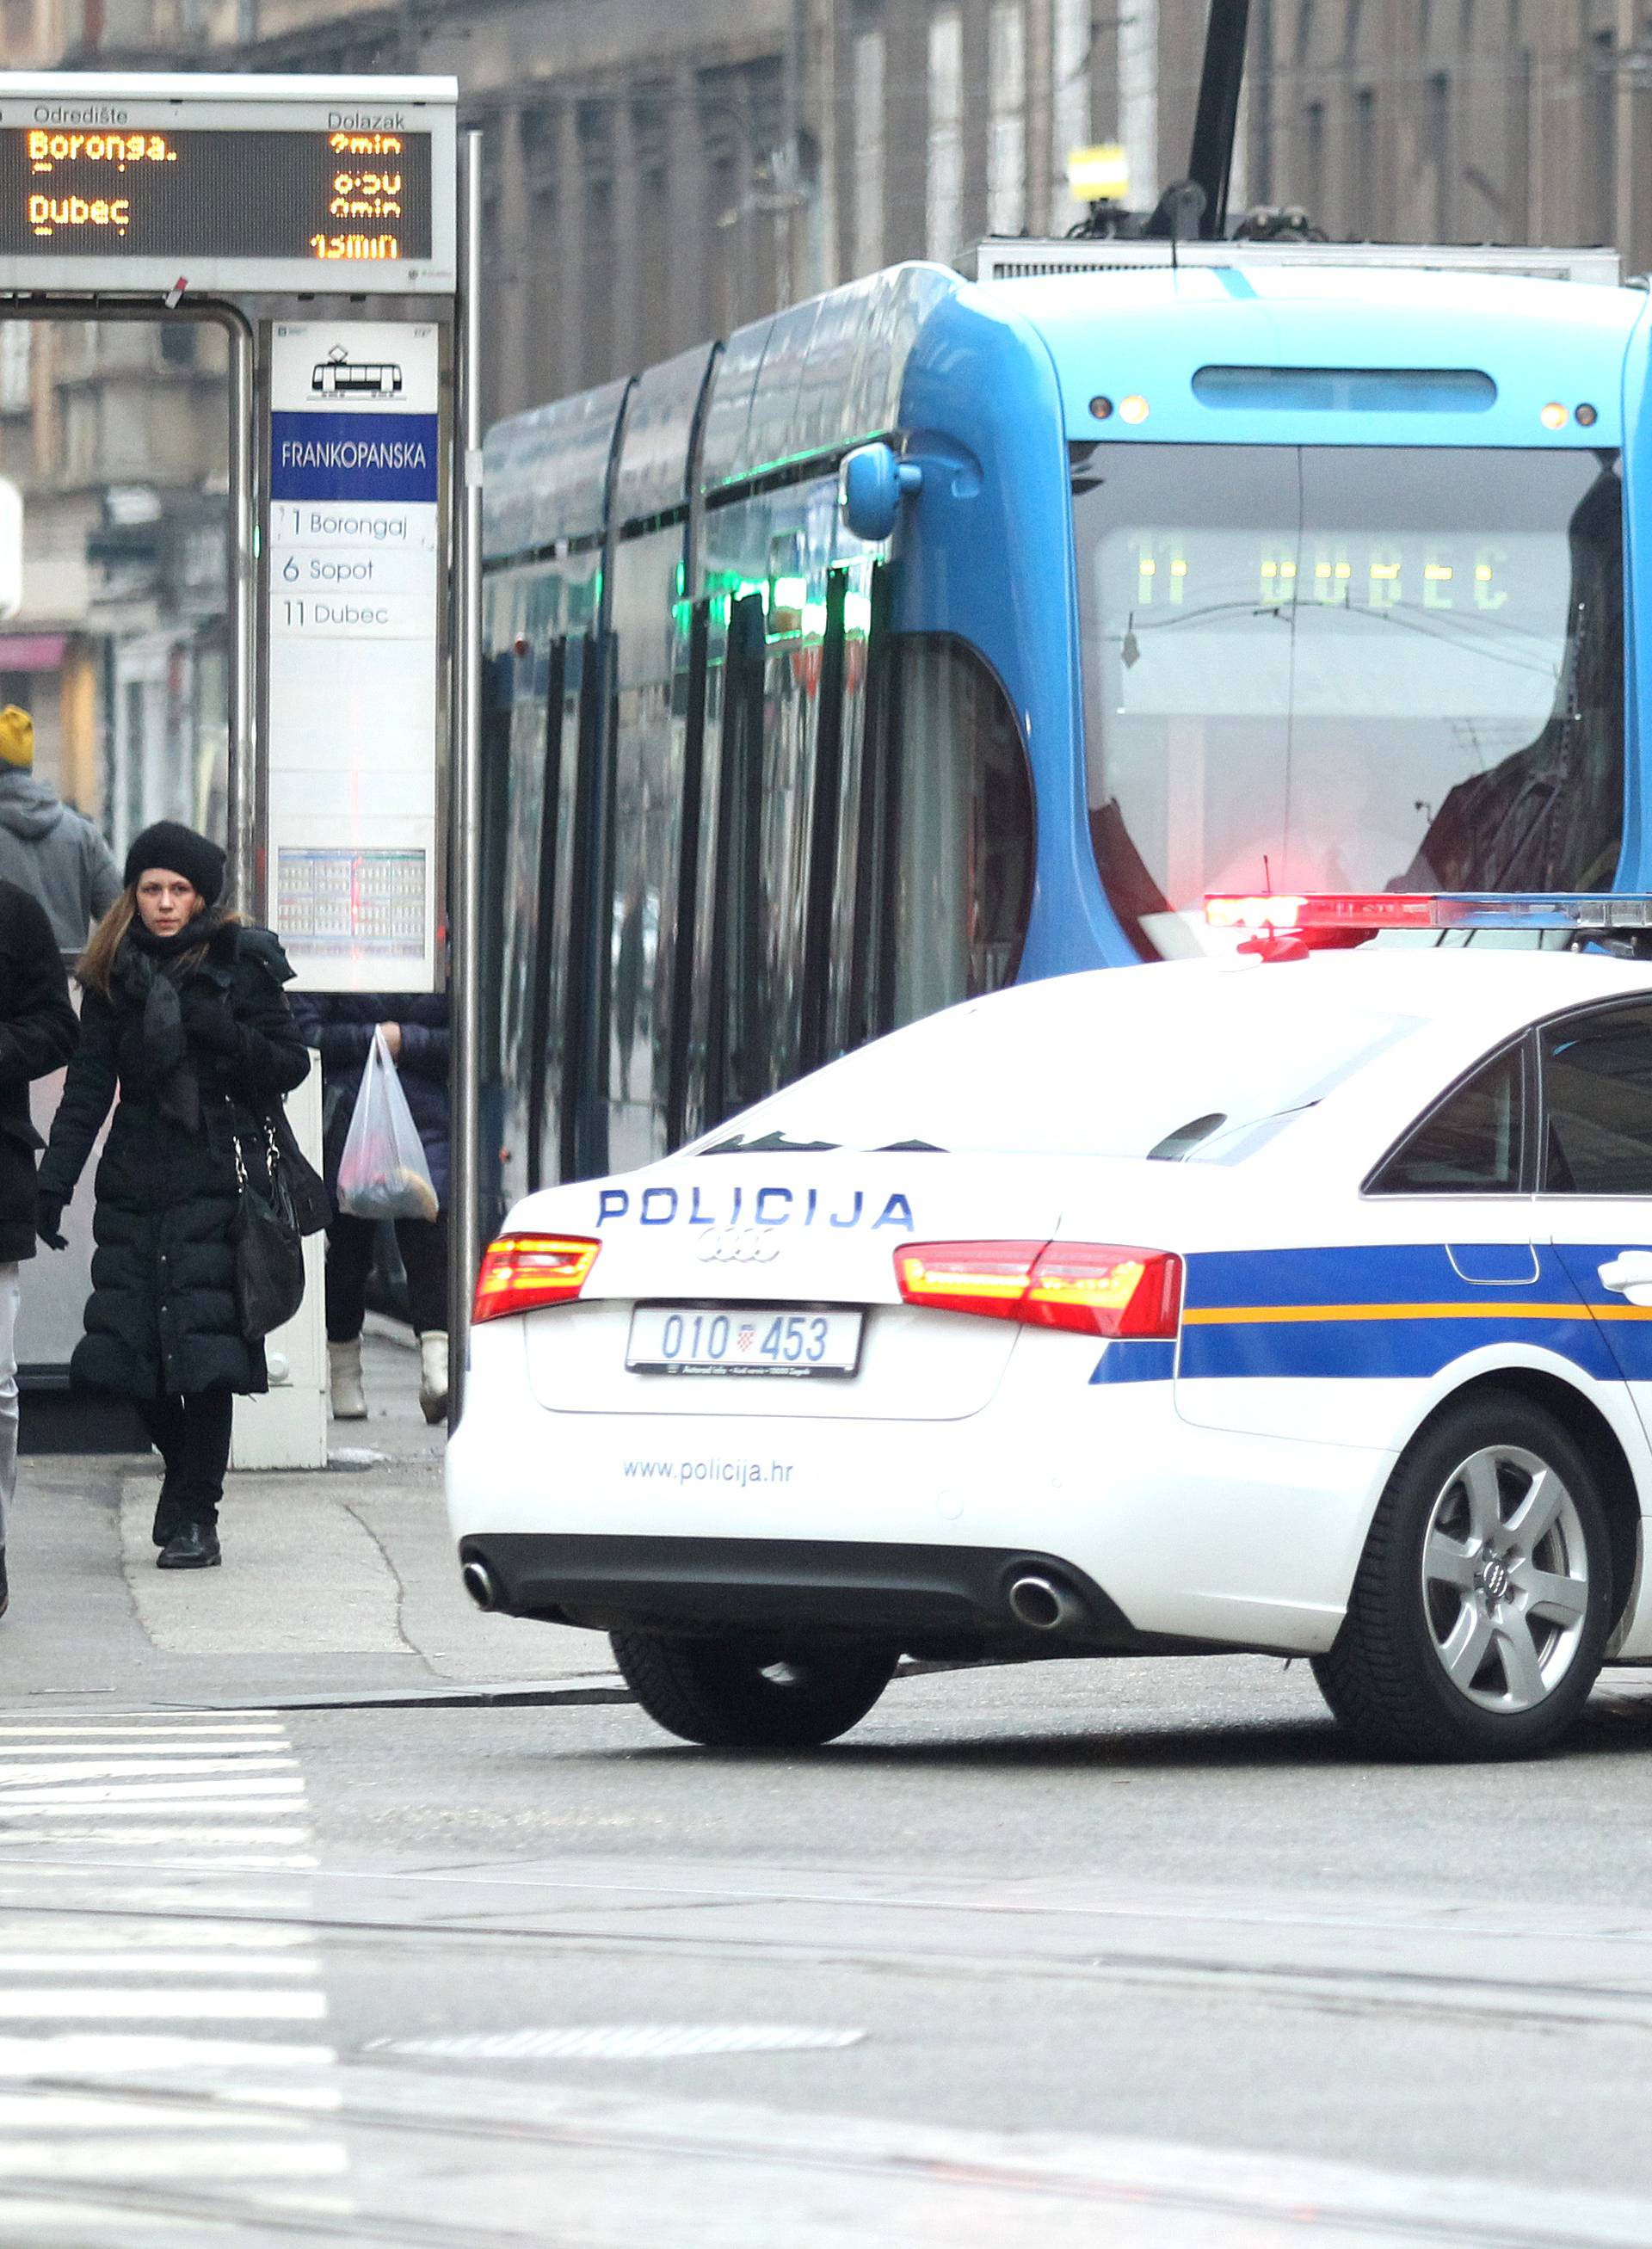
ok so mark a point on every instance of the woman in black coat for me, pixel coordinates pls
(184, 1008)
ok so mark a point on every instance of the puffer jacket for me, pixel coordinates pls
(340, 1026)
(55, 853)
(162, 1317)
(37, 1034)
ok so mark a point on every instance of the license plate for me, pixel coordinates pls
(690, 1340)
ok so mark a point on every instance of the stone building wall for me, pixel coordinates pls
(660, 170)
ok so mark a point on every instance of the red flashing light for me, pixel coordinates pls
(1326, 909)
(522, 1271)
(1090, 1287)
(1280, 912)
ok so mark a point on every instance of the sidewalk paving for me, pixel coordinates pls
(337, 1585)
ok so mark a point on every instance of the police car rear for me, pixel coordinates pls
(890, 1363)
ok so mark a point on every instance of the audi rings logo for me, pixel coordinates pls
(739, 1245)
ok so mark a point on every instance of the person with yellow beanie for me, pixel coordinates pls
(17, 738)
(47, 848)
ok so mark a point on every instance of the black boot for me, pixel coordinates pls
(5, 1589)
(194, 1547)
(169, 1518)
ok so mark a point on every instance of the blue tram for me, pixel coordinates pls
(934, 633)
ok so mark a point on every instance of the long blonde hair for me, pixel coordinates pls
(96, 964)
(95, 967)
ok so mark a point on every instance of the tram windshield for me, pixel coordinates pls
(1348, 668)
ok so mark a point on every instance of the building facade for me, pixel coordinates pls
(659, 171)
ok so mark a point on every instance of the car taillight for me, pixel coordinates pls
(522, 1271)
(1092, 1288)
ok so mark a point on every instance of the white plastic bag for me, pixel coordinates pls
(382, 1173)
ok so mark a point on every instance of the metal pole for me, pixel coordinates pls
(464, 876)
(1210, 163)
(245, 810)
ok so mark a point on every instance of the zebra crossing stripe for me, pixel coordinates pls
(104, 1793)
(18, 1775)
(106, 1961)
(156, 1986)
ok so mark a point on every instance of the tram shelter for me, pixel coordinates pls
(326, 228)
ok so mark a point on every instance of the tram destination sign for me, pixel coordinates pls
(132, 185)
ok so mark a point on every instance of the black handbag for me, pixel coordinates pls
(268, 1244)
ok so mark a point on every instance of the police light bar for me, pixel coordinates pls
(1379, 910)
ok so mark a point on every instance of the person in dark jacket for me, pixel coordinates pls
(46, 846)
(184, 1008)
(341, 1025)
(38, 1032)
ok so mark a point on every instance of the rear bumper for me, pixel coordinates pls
(675, 1520)
(944, 1600)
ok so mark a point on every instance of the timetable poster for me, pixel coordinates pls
(354, 608)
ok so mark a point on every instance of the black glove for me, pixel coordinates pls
(210, 1023)
(48, 1217)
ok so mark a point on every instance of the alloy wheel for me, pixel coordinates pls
(1505, 1578)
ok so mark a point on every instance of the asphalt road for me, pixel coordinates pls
(1133, 1954)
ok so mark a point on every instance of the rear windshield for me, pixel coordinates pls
(1123, 1063)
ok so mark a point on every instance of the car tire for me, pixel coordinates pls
(745, 1693)
(1483, 1598)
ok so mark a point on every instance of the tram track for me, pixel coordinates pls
(1434, 1995)
(1307, 2202)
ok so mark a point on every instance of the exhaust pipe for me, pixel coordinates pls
(1042, 1604)
(479, 1582)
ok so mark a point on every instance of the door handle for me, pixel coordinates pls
(1629, 1274)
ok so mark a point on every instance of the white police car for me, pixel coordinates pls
(1301, 1309)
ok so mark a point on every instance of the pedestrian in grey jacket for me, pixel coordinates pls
(47, 848)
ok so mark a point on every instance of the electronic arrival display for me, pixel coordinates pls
(139, 185)
(343, 197)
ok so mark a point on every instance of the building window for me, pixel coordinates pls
(1069, 100)
(1313, 155)
(869, 151)
(1363, 216)
(1007, 136)
(1436, 160)
(16, 338)
(1138, 61)
(1602, 224)
(945, 202)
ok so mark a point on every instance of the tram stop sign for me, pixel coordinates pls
(316, 217)
(147, 183)
(317, 221)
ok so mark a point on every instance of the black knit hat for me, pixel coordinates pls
(178, 849)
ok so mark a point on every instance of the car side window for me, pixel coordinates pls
(1472, 1143)
(1597, 1103)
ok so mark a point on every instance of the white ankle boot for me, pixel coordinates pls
(344, 1373)
(433, 1373)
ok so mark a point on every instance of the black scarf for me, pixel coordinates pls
(147, 970)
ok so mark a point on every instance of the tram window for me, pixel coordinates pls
(742, 1061)
(689, 706)
(583, 1123)
(1329, 667)
(962, 848)
(826, 836)
(645, 821)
